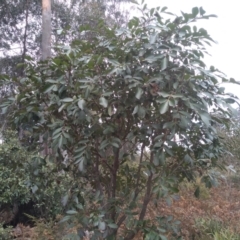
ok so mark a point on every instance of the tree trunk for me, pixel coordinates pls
(46, 49)
(46, 29)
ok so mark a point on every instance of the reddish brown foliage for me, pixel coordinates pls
(222, 205)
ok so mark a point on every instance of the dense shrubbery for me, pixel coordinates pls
(14, 174)
(5, 233)
(210, 229)
(27, 178)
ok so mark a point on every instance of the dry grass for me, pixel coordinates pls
(223, 204)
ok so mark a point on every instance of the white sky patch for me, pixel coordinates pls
(224, 29)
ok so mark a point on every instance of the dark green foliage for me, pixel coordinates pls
(26, 177)
(14, 186)
(20, 24)
(140, 90)
(5, 233)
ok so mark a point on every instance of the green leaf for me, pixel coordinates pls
(110, 111)
(66, 135)
(163, 94)
(202, 12)
(56, 131)
(188, 159)
(104, 144)
(114, 144)
(205, 117)
(156, 160)
(64, 200)
(152, 11)
(67, 100)
(162, 158)
(49, 89)
(162, 237)
(172, 102)
(175, 85)
(108, 130)
(65, 219)
(113, 225)
(151, 59)
(34, 189)
(177, 96)
(139, 93)
(141, 112)
(80, 206)
(232, 80)
(153, 38)
(72, 212)
(103, 101)
(107, 94)
(164, 9)
(4, 110)
(60, 141)
(135, 110)
(81, 104)
(81, 165)
(51, 81)
(164, 107)
(62, 107)
(101, 226)
(56, 135)
(164, 63)
(195, 11)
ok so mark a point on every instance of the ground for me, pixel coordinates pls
(220, 204)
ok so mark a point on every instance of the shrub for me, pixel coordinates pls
(213, 229)
(27, 178)
(5, 233)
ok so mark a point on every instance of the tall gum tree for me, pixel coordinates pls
(46, 48)
(46, 29)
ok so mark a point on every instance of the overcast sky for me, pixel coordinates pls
(225, 30)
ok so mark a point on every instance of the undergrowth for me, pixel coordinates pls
(215, 230)
(215, 215)
(5, 233)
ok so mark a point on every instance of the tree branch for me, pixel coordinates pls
(114, 181)
(139, 171)
(99, 186)
(146, 201)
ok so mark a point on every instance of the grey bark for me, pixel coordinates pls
(46, 29)
(46, 47)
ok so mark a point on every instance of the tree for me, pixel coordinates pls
(21, 28)
(21, 21)
(143, 90)
(46, 29)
